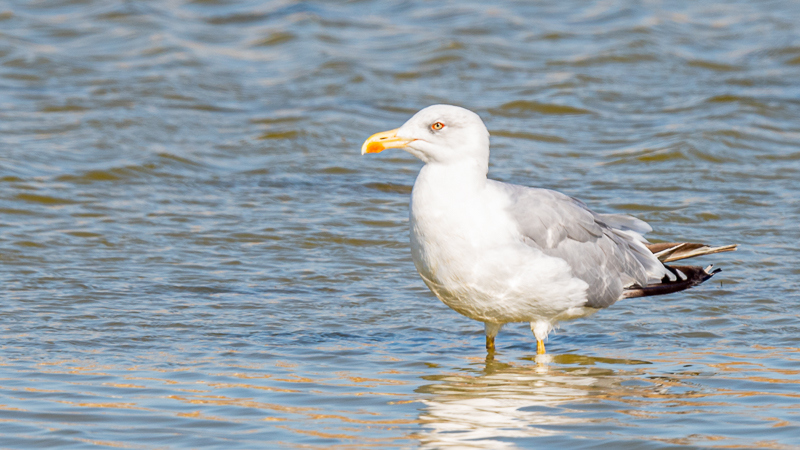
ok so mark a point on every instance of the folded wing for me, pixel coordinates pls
(607, 251)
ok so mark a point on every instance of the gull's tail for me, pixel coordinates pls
(674, 251)
(687, 276)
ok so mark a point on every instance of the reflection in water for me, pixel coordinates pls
(502, 400)
(500, 405)
(478, 408)
(677, 398)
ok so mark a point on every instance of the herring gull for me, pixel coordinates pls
(501, 253)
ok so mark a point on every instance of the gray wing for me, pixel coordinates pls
(605, 250)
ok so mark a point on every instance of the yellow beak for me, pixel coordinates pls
(379, 142)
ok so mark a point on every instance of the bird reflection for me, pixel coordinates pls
(482, 407)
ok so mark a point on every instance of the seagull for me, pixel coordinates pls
(501, 253)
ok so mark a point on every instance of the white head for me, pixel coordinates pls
(437, 134)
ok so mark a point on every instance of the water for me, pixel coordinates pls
(195, 255)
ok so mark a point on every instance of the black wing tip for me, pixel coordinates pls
(695, 275)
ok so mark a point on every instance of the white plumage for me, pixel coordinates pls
(501, 253)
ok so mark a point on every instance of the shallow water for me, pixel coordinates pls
(195, 255)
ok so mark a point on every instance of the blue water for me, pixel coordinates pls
(194, 254)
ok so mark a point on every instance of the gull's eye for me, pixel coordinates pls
(436, 126)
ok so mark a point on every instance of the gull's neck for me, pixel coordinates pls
(453, 179)
(447, 204)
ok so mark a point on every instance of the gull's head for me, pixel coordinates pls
(438, 133)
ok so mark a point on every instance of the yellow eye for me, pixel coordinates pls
(437, 126)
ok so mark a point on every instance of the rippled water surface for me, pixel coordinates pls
(193, 254)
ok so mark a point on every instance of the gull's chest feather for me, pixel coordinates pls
(452, 227)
